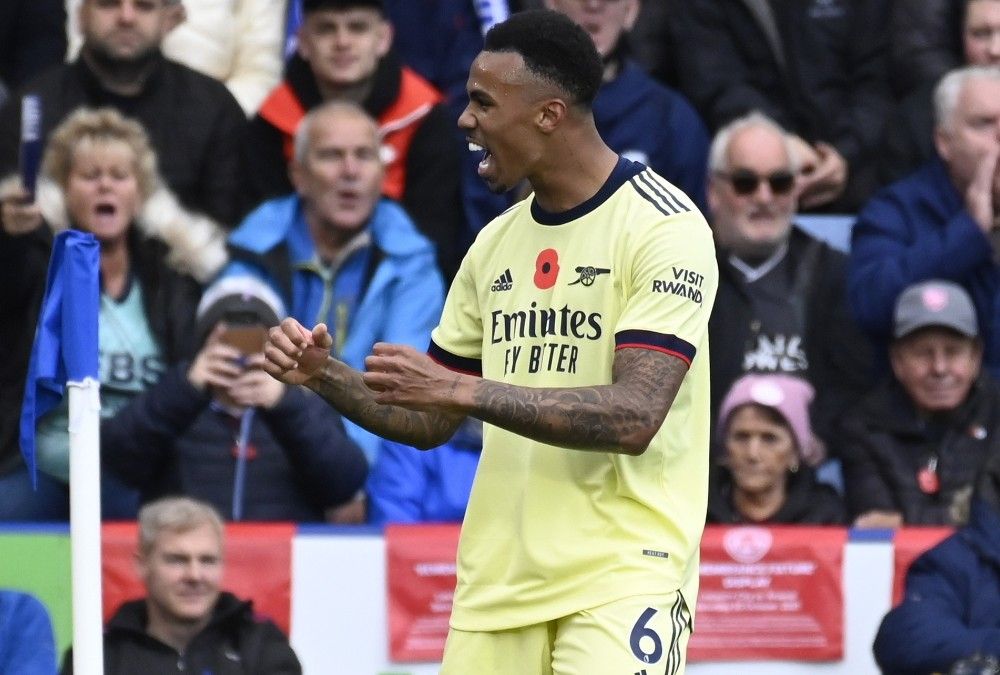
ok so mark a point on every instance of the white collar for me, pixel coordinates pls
(751, 273)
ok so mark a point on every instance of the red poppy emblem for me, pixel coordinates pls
(546, 268)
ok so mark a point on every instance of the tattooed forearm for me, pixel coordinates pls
(343, 388)
(621, 417)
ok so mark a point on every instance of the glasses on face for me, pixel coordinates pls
(746, 182)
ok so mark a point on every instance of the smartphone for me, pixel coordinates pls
(247, 339)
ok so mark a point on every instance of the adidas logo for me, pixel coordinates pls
(504, 282)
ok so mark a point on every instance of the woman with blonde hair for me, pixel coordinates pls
(99, 175)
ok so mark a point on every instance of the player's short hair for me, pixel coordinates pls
(553, 48)
(717, 151)
(950, 87)
(174, 514)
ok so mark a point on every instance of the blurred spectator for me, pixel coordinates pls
(439, 39)
(344, 54)
(912, 448)
(635, 115)
(654, 38)
(925, 41)
(32, 39)
(941, 221)
(186, 623)
(238, 42)
(951, 612)
(99, 175)
(193, 122)
(763, 478)
(184, 435)
(909, 136)
(336, 252)
(408, 485)
(818, 68)
(780, 307)
(27, 646)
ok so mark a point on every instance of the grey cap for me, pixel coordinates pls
(935, 303)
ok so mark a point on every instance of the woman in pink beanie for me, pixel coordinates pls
(765, 474)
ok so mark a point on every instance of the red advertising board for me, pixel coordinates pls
(907, 545)
(420, 564)
(766, 593)
(258, 567)
(770, 593)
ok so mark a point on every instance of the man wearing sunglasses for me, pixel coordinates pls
(781, 304)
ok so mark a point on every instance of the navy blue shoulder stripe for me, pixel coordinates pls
(649, 199)
(666, 343)
(661, 181)
(453, 362)
(662, 192)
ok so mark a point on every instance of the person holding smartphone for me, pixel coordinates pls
(221, 430)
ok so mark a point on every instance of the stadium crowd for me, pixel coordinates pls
(245, 161)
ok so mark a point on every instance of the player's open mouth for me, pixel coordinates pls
(486, 163)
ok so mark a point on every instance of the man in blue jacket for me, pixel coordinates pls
(637, 116)
(339, 253)
(942, 221)
(951, 612)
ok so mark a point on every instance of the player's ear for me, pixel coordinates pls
(550, 114)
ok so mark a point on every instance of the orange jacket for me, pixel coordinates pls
(397, 123)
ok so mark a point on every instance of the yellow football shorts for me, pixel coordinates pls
(639, 635)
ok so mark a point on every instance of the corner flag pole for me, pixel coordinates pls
(65, 356)
(85, 525)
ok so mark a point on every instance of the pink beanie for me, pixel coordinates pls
(788, 395)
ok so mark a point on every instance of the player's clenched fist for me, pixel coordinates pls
(293, 354)
(401, 375)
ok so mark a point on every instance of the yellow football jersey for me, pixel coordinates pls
(544, 300)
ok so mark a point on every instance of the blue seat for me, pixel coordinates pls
(834, 229)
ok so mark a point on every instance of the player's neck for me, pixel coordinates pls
(573, 172)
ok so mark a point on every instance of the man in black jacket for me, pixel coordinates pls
(185, 623)
(912, 448)
(194, 123)
(781, 306)
(819, 68)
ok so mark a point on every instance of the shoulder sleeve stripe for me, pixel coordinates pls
(453, 362)
(655, 191)
(659, 180)
(649, 198)
(661, 191)
(647, 339)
